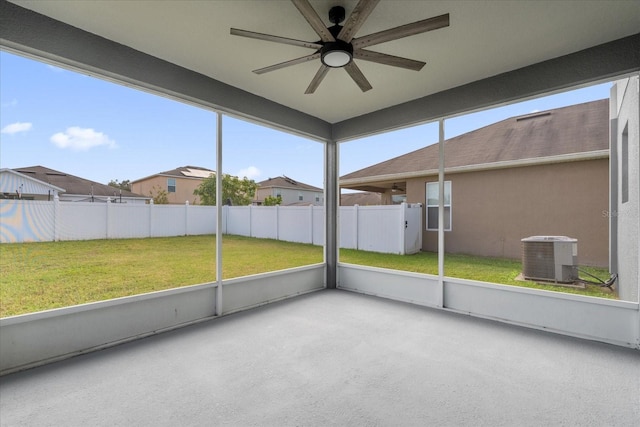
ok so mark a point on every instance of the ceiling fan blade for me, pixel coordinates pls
(402, 31)
(287, 63)
(359, 14)
(383, 58)
(314, 20)
(276, 39)
(317, 79)
(358, 77)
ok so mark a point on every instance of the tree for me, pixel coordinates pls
(124, 185)
(159, 195)
(272, 201)
(239, 192)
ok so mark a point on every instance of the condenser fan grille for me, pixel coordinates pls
(550, 258)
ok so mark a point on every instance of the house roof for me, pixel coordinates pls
(72, 184)
(189, 172)
(286, 182)
(580, 128)
(16, 182)
(361, 198)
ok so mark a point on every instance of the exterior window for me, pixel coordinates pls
(171, 185)
(397, 199)
(300, 196)
(317, 197)
(432, 206)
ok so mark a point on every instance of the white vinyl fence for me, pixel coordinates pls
(302, 224)
(389, 229)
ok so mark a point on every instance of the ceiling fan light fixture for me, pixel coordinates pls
(336, 58)
(336, 54)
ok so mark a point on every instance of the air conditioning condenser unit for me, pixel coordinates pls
(550, 258)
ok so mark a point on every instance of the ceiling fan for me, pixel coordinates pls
(395, 188)
(338, 46)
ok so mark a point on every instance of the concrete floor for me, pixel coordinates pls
(335, 358)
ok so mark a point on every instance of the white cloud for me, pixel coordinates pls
(16, 127)
(251, 172)
(81, 139)
(534, 111)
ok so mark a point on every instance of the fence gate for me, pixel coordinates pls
(412, 228)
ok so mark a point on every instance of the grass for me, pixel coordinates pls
(41, 276)
(485, 269)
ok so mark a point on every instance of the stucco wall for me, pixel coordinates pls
(290, 196)
(183, 193)
(492, 210)
(626, 101)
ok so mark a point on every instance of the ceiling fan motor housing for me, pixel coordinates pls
(336, 54)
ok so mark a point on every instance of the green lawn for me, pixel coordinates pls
(40, 276)
(485, 269)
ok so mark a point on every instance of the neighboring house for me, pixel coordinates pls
(292, 192)
(178, 183)
(360, 198)
(545, 173)
(16, 185)
(624, 212)
(40, 183)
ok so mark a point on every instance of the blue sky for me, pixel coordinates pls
(101, 131)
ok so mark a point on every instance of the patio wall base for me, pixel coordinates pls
(597, 319)
(35, 339)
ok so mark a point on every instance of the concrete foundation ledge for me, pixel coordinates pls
(598, 319)
(255, 290)
(37, 338)
(406, 286)
(34, 339)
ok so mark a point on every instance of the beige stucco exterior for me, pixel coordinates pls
(290, 196)
(493, 209)
(183, 193)
(291, 191)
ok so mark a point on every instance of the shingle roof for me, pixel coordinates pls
(189, 172)
(194, 172)
(361, 198)
(286, 182)
(574, 129)
(72, 184)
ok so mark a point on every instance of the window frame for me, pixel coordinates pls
(175, 186)
(447, 187)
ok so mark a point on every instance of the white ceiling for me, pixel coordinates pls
(485, 38)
